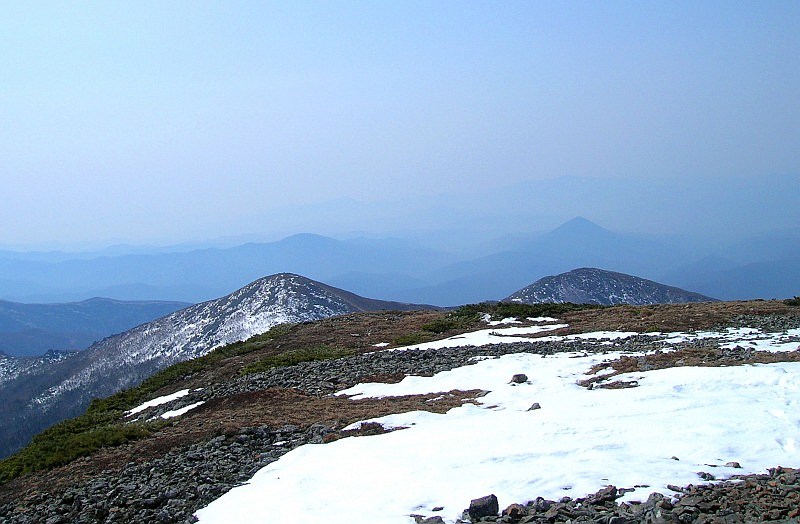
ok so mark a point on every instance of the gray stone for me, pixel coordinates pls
(606, 494)
(483, 507)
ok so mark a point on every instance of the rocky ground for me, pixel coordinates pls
(773, 497)
(250, 421)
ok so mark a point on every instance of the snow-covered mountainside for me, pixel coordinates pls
(598, 286)
(126, 359)
(11, 366)
(33, 329)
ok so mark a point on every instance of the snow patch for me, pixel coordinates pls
(484, 336)
(181, 411)
(578, 437)
(507, 320)
(579, 441)
(542, 319)
(157, 402)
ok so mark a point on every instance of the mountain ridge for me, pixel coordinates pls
(44, 394)
(416, 268)
(602, 287)
(33, 329)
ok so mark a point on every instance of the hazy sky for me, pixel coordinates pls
(144, 121)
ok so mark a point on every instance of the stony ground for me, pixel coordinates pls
(250, 421)
(773, 497)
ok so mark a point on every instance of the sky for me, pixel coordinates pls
(173, 121)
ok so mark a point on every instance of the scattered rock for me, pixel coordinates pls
(419, 519)
(519, 378)
(534, 406)
(749, 498)
(606, 494)
(515, 511)
(483, 507)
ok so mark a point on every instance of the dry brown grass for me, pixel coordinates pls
(698, 357)
(670, 317)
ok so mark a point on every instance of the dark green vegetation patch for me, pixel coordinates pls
(296, 356)
(469, 317)
(71, 439)
(101, 425)
(501, 310)
(792, 301)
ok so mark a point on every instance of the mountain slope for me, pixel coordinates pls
(38, 398)
(33, 329)
(598, 286)
(576, 243)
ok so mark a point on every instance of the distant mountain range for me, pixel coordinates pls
(203, 274)
(34, 329)
(34, 396)
(405, 270)
(597, 286)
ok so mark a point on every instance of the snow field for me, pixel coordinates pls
(578, 442)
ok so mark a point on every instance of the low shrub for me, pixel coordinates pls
(296, 356)
(449, 323)
(501, 310)
(101, 425)
(69, 440)
(415, 337)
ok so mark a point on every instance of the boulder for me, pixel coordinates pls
(483, 507)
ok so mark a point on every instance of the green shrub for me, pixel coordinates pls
(792, 301)
(469, 316)
(449, 323)
(67, 441)
(296, 356)
(501, 310)
(101, 425)
(415, 337)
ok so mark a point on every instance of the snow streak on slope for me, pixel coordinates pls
(157, 402)
(12, 367)
(579, 441)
